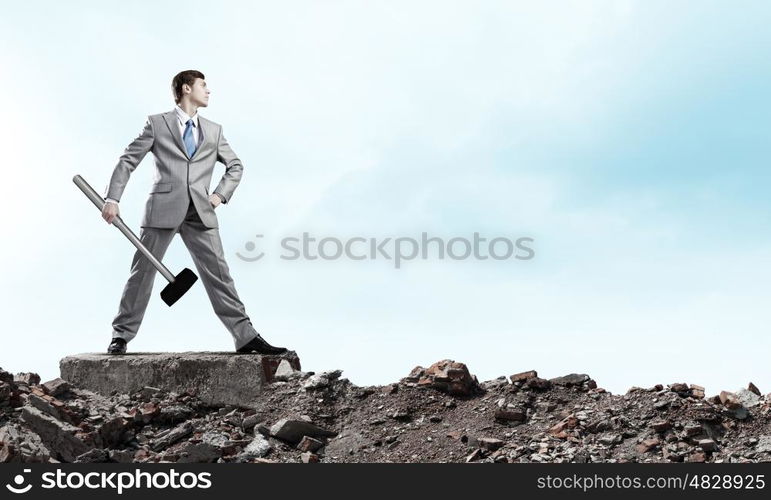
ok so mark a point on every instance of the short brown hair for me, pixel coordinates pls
(186, 77)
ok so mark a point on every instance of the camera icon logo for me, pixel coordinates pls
(19, 481)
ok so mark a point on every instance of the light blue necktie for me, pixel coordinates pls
(187, 138)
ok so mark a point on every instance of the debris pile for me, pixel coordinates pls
(435, 414)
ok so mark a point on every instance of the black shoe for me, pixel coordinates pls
(260, 346)
(117, 346)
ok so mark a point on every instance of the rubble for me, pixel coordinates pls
(435, 414)
(60, 437)
(55, 387)
(27, 378)
(293, 431)
(446, 376)
(321, 380)
(257, 448)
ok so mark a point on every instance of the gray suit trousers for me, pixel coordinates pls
(205, 247)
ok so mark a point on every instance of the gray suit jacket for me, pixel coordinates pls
(176, 173)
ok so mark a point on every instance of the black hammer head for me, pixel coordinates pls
(177, 288)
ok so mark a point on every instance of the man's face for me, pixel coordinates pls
(199, 94)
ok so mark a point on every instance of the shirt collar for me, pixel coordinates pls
(184, 117)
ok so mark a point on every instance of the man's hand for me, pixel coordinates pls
(215, 200)
(110, 211)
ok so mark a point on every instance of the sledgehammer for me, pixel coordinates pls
(178, 284)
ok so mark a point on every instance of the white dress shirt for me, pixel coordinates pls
(182, 119)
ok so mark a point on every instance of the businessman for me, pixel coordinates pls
(185, 146)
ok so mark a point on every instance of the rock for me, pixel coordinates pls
(753, 389)
(523, 376)
(174, 414)
(610, 439)
(747, 398)
(215, 438)
(95, 456)
(27, 378)
(696, 457)
(350, 441)
(391, 389)
(316, 382)
(18, 444)
(258, 447)
(215, 378)
(489, 444)
(510, 415)
(43, 405)
(285, 371)
(309, 457)
(560, 428)
(697, 391)
(495, 384)
(234, 446)
(181, 431)
(56, 387)
(661, 425)
(249, 422)
(5, 392)
(202, 452)
(401, 414)
(706, 414)
(147, 412)
(600, 425)
(730, 400)
(764, 444)
(475, 455)
(6, 453)
(647, 445)
(680, 389)
(292, 431)
(707, 444)
(142, 455)
(321, 380)
(307, 443)
(60, 437)
(581, 380)
(740, 413)
(121, 456)
(536, 383)
(457, 435)
(447, 376)
(114, 430)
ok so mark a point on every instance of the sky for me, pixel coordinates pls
(628, 139)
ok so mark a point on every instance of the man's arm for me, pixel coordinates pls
(233, 169)
(131, 157)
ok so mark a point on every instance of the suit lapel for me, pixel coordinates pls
(206, 131)
(171, 122)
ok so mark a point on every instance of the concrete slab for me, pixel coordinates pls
(218, 378)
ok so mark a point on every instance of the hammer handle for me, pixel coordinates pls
(118, 222)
